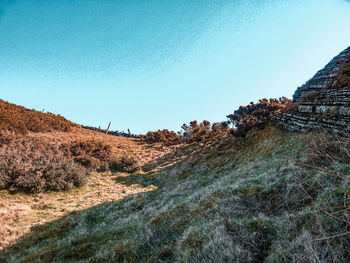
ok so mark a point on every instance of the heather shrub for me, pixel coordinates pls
(21, 120)
(32, 166)
(127, 163)
(98, 156)
(92, 154)
(165, 136)
(88, 162)
(257, 115)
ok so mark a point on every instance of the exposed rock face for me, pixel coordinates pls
(324, 76)
(322, 103)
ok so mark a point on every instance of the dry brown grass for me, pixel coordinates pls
(21, 212)
(328, 148)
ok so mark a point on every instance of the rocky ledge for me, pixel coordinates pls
(322, 103)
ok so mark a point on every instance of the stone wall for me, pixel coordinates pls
(320, 104)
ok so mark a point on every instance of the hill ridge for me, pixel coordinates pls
(22, 120)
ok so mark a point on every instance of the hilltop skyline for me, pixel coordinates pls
(147, 66)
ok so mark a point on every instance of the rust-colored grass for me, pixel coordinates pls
(21, 120)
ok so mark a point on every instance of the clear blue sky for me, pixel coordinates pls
(154, 64)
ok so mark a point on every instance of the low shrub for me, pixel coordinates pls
(29, 165)
(257, 115)
(164, 136)
(204, 131)
(92, 154)
(127, 163)
(89, 162)
(193, 132)
(98, 156)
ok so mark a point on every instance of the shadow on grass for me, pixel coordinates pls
(62, 240)
(136, 178)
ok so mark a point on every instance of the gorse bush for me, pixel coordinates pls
(29, 165)
(193, 132)
(164, 136)
(204, 131)
(21, 120)
(257, 115)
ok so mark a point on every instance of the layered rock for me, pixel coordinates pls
(322, 103)
(324, 76)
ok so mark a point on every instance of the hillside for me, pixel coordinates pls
(59, 167)
(19, 119)
(242, 200)
(254, 193)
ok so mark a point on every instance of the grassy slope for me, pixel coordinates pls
(237, 201)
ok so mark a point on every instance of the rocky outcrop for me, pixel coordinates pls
(322, 103)
(324, 76)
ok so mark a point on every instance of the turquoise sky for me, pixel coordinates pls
(154, 64)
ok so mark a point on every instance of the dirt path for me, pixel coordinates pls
(19, 212)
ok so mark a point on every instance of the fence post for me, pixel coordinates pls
(109, 126)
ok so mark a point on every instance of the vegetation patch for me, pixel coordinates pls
(342, 79)
(257, 115)
(21, 120)
(32, 166)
